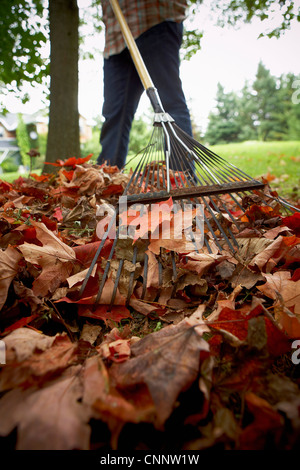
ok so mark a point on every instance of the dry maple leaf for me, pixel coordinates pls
(53, 248)
(22, 342)
(269, 257)
(167, 362)
(252, 247)
(108, 404)
(50, 356)
(54, 257)
(53, 419)
(9, 260)
(280, 283)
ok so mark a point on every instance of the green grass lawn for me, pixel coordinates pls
(279, 159)
(12, 176)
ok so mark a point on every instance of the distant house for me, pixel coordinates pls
(8, 141)
(85, 129)
(37, 124)
(8, 134)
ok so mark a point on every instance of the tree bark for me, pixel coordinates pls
(63, 133)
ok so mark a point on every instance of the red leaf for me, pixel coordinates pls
(256, 212)
(236, 322)
(5, 187)
(109, 169)
(233, 321)
(148, 220)
(68, 174)
(296, 275)
(58, 214)
(22, 322)
(86, 253)
(64, 191)
(50, 224)
(72, 161)
(104, 312)
(29, 234)
(293, 222)
(113, 189)
(40, 178)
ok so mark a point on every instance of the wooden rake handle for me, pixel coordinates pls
(133, 49)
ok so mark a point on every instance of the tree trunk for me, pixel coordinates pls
(63, 134)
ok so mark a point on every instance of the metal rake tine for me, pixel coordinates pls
(145, 275)
(174, 266)
(160, 274)
(228, 228)
(217, 222)
(107, 266)
(190, 231)
(208, 224)
(97, 254)
(200, 228)
(116, 282)
(131, 278)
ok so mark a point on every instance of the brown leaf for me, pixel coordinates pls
(12, 406)
(268, 258)
(142, 307)
(53, 419)
(289, 322)
(243, 276)
(54, 257)
(9, 260)
(153, 270)
(27, 296)
(190, 279)
(78, 277)
(88, 180)
(23, 341)
(107, 403)
(90, 332)
(45, 358)
(52, 251)
(51, 278)
(200, 262)
(281, 283)
(225, 269)
(172, 353)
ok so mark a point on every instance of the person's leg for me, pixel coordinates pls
(122, 92)
(159, 47)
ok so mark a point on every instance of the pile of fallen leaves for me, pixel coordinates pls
(214, 365)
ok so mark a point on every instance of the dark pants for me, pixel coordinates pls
(159, 47)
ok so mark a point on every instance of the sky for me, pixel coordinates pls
(228, 56)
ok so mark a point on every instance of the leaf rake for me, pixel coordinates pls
(176, 166)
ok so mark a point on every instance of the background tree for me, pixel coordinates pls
(269, 112)
(291, 105)
(246, 114)
(22, 34)
(223, 122)
(63, 133)
(266, 110)
(235, 12)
